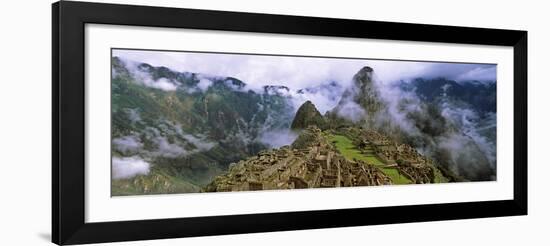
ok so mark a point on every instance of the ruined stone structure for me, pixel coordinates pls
(403, 157)
(316, 165)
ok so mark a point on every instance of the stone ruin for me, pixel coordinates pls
(403, 157)
(317, 165)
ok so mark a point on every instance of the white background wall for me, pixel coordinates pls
(25, 134)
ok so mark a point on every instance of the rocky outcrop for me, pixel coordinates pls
(308, 115)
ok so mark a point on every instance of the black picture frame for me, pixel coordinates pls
(68, 122)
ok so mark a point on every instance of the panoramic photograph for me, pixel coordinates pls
(196, 122)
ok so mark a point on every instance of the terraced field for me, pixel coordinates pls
(350, 151)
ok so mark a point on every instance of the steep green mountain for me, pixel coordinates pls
(360, 102)
(308, 115)
(364, 92)
(187, 126)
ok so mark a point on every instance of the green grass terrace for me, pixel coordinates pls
(346, 147)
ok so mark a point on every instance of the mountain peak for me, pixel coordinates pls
(363, 77)
(308, 115)
(366, 69)
(362, 95)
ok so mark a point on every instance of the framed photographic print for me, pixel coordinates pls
(176, 122)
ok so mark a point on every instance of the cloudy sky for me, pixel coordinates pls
(301, 72)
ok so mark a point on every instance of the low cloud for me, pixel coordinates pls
(200, 142)
(179, 145)
(469, 121)
(163, 84)
(278, 138)
(204, 84)
(168, 149)
(144, 78)
(324, 96)
(128, 167)
(127, 144)
(351, 111)
(133, 115)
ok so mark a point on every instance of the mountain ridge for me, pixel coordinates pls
(188, 132)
